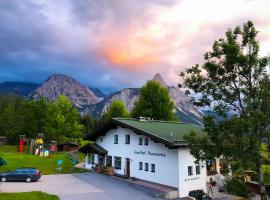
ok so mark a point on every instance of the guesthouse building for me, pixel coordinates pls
(149, 150)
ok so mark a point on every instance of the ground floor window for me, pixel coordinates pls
(190, 171)
(90, 158)
(145, 166)
(109, 161)
(211, 167)
(117, 162)
(140, 165)
(198, 169)
(153, 167)
(100, 160)
(224, 166)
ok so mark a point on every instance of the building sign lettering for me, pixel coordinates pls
(192, 179)
(149, 153)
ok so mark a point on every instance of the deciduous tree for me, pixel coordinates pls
(154, 102)
(233, 81)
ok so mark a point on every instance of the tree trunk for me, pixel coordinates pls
(260, 178)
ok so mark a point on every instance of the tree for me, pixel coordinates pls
(234, 83)
(116, 109)
(154, 102)
(65, 119)
(89, 123)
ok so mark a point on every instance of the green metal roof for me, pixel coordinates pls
(167, 130)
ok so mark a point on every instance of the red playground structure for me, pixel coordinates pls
(22, 142)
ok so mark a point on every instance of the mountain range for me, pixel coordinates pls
(94, 101)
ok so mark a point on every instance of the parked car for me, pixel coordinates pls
(21, 174)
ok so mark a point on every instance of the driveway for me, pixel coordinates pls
(84, 186)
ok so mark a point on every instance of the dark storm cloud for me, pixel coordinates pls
(115, 43)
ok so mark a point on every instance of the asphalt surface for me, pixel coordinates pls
(84, 186)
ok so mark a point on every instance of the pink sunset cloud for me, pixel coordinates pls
(123, 43)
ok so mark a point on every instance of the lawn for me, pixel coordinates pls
(28, 196)
(47, 165)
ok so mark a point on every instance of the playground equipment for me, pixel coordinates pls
(22, 142)
(41, 149)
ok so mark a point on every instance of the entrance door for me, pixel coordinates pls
(127, 167)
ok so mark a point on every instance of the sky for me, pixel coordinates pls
(114, 44)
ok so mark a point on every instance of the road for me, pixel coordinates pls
(90, 186)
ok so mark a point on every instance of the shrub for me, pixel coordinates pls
(237, 187)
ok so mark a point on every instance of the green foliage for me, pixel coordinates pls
(65, 119)
(154, 102)
(233, 80)
(89, 123)
(237, 187)
(116, 109)
(56, 119)
(28, 195)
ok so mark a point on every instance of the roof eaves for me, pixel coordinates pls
(143, 132)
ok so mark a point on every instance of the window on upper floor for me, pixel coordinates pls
(145, 141)
(140, 140)
(101, 139)
(127, 139)
(115, 139)
(140, 165)
(198, 169)
(190, 171)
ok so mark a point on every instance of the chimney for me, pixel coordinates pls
(144, 119)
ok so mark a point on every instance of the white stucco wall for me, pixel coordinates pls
(188, 183)
(171, 170)
(165, 167)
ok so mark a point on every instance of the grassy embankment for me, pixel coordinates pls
(47, 165)
(28, 196)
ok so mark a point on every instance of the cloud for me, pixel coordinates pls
(116, 44)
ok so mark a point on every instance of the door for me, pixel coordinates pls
(15, 175)
(127, 167)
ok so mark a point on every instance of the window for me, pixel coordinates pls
(145, 166)
(90, 158)
(140, 140)
(190, 171)
(101, 139)
(140, 165)
(153, 167)
(127, 139)
(115, 139)
(117, 162)
(100, 160)
(198, 169)
(145, 141)
(211, 167)
(109, 161)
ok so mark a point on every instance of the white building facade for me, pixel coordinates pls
(134, 150)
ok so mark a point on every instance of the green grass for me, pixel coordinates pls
(27, 196)
(47, 165)
(9, 149)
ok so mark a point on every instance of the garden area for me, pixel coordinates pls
(47, 165)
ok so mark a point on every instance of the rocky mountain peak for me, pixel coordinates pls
(59, 84)
(160, 80)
